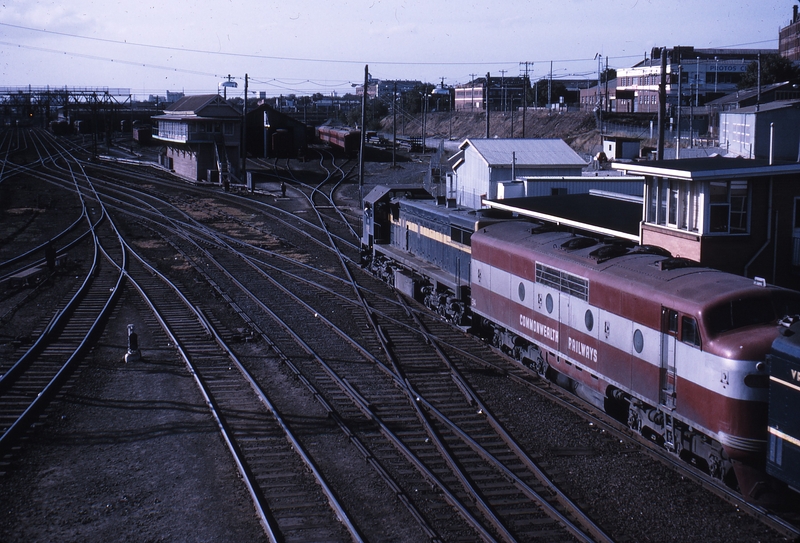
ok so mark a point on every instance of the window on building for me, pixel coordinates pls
(673, 203)
(728, 207)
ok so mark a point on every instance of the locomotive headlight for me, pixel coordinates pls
(761, 366)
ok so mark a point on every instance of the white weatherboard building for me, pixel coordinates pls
(763, 130)
(481, 165)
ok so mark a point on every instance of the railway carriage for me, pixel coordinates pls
(343, 138)
(674, 349)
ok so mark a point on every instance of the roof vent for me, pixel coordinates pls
(676, 263)
(577, 243)
(607, 252)
(651, 250)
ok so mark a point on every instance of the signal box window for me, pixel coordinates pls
(728, 207)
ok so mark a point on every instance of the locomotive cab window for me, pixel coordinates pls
(460, 235)
(740, 312)
(689, 333)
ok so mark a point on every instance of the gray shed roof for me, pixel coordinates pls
(769, 106)
(528, 152)
(202, 106)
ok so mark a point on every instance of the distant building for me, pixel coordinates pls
(605, 95)
(503, 94)
(202, 138)
(705, 74)
(789, 38)
(750, 97)
(380, 88)
(170, 98)
(481, 165)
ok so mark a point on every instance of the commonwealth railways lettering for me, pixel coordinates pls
(538, 328)
(587, 352)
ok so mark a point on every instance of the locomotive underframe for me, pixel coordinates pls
(657, 424)
(436, 296)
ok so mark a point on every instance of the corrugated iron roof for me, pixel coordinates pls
(528, 152)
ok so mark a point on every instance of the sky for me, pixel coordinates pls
(304, 47)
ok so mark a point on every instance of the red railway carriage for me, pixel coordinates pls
(676, 348)
(346, 139)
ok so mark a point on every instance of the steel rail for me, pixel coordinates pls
(267, 520)
(451, 498)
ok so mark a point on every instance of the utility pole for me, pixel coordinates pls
(758, 97)
(525, 86)
(550, 87)
(597, 94)
(662, 104)
(472, 96)
(608, 104)
(394, 126)
(244, 136)
(486, 92)
(680, 107)
(363, 138)
(503, 89)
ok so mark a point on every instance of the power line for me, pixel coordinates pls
(293, 59)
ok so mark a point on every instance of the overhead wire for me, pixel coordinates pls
(288, 85)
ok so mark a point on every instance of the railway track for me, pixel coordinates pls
(428, 435)
(393, 389)
(34, 378)
(281, 478)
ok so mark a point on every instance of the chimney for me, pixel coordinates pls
(794, 14)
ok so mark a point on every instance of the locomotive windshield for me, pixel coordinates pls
(751, 310)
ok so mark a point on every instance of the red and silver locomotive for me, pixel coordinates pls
(675, 349)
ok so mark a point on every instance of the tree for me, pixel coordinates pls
(607, 75)
(376, 110)
(774, 69)
(557, 89)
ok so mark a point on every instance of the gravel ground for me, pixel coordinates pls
(129, 453)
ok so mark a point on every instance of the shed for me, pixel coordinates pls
(621, 147)
(272, 134)
(745, 131)
(482, 164)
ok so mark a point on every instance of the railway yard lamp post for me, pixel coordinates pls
(228, 83)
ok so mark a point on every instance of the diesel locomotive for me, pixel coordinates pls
(676, 350)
